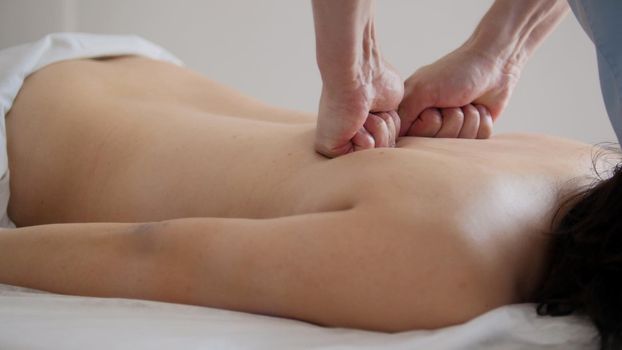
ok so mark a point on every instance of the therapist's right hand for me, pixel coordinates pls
(360, 90)
(358, 109)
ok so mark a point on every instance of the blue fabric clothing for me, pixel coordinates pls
(602, 21)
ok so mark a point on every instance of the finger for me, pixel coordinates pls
(397, 122)
(470, 126)
(485, 122)
(453, 118)
(331, 148)
(428, 124)
(413, 104)
(409, 117)
(391, 128)
(362, 140)
(378, 130)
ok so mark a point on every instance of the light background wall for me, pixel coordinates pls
(266, 49)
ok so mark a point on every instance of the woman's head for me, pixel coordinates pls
(586, 264)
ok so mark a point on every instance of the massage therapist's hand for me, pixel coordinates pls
(466, 122)
(359, 112)
(464, 87)
(483, 71)
(361, 91)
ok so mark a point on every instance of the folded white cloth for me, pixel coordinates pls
(17, 63)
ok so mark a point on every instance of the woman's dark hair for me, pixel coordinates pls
(585, 274)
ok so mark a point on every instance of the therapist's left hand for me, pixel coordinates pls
(446, 92)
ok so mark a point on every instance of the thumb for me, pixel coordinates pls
(410, 109)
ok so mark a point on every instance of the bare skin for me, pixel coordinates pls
(482, 71)
(428, 234)
(457, 96)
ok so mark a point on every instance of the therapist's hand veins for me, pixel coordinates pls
(482, 72)
(360, 90)
(359, 112)
(463, 86)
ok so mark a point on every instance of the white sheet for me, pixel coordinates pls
(35, 320)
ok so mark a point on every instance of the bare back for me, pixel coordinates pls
(134, 140)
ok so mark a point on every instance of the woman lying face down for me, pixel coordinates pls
(140, 179)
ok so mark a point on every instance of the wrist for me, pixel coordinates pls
(355, 66)
(499, 52)
(511, 30)
(346, 47)
(500, 38)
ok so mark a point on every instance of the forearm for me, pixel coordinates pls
(345, 38)
(512, 30)
(144, 261)
(67, 258)
(261, 266)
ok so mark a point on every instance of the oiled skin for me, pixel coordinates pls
(461, 223)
